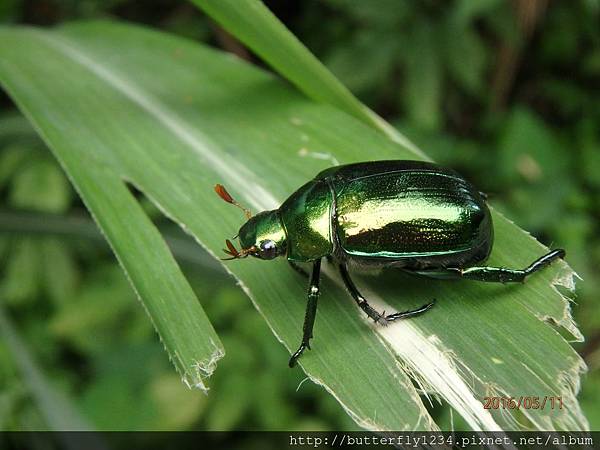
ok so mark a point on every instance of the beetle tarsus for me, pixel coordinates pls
(410, 313)
(297, 354)
(546, 260)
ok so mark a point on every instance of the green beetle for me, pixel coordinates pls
(411, 215)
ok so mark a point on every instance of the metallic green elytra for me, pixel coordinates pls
(411, 215)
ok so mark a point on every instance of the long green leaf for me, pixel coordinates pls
(173, 118)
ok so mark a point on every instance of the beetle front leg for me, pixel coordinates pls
(503, 275)
(311, 312)
(381, 319)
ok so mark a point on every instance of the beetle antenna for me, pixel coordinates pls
(231, 251)
(222, 192)
(234, 253)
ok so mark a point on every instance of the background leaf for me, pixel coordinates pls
(253, 23)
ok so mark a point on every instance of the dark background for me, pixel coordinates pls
(508, 93)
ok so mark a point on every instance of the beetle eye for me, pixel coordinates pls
(268, 249)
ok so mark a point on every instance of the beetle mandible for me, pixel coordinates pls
(411, 215)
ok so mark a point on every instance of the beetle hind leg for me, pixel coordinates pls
(504, 275)
(380, 318)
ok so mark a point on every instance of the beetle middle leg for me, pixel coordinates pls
(311, 312)
(379, 318)
(504, 275)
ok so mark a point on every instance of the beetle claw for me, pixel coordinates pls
(381, 319)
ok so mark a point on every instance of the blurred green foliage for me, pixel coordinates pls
(505, 92)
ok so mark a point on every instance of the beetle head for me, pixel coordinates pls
(261, 236)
